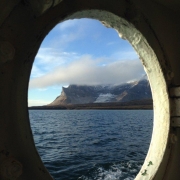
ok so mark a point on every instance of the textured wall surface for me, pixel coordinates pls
(152, 27)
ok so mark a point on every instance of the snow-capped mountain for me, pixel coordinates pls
(83, 94)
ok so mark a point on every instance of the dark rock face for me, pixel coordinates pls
(82, 94)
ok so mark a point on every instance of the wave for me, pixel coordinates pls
(113, 171)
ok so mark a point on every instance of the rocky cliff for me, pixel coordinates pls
(82, 94)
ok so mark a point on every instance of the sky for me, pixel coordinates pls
(81, 51)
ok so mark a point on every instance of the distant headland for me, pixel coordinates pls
(133, 95)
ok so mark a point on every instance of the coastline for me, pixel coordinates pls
(136, 105)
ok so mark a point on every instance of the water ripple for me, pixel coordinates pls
(92, 144)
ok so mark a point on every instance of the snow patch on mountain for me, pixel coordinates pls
(105, 98)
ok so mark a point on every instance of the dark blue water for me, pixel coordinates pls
(92, 144)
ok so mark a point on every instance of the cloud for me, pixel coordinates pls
(49, 58)
(63, 26)
(131, 54)
(111, 43)
(68, 31)
(55, 66)
(89, 71)
(36, 72)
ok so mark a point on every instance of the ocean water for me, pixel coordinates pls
(92, 144)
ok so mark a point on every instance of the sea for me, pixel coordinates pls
(92, 144)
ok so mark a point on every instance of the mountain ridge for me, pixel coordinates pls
(84, 94)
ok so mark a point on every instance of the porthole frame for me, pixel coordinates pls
(23, 39)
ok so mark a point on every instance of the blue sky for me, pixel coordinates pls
(81, 51)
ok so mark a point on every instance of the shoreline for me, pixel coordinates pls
(136, 105)
(122, 108)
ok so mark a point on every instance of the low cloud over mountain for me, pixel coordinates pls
(89, 71)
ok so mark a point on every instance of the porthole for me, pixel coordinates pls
(151, 65)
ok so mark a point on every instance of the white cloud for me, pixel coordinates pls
(88, 71)
(48, 58)
(54, 66)
(53, 56)
(36, 72)
(125, 54)
(67, 32)
(63, 26)
(111, 43)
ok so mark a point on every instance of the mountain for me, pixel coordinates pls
(83, 94)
